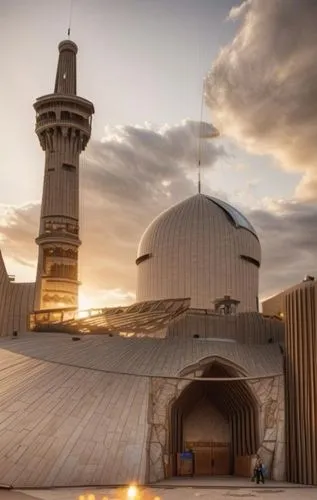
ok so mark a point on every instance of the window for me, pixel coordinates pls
(143, 258)
(251, 260)
(68, 167)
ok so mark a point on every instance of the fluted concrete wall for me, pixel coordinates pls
(275, 305)
(16, 302)
(249, 328)
(301, 384)
(194, 250)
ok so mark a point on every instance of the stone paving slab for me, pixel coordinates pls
(230, 482)
(15, 495)
(170, 494)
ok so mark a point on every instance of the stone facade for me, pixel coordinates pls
(270, 393)
(270, 396)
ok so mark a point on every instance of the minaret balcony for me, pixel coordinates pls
(60, 279)
(58, 237)
(72, 123)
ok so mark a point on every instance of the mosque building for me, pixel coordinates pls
(190, 380)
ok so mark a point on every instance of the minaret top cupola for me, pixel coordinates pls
(64, 110)
(65, 82)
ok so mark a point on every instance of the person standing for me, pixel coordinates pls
(258, 469)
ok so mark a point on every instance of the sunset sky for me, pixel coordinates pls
(142, 63)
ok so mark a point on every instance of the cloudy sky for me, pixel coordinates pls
(142, 63)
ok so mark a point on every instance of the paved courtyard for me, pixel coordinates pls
(285, 492)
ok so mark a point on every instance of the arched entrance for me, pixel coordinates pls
(216, 420)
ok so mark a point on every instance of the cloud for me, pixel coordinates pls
(262, 88)
(288, 243)
(121, 195)
(126, 180)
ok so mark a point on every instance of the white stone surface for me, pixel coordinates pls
(67, 426)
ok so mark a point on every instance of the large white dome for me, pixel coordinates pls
(201, 248)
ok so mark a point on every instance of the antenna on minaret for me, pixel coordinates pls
(70, 17)
(200, 137)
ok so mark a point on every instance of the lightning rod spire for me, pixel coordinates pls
(200, 137)
(70, 18)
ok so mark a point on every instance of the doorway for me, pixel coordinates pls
(215, 420)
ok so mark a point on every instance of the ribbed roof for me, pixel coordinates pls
(141, 356)
(199, 207)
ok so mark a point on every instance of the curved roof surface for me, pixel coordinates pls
(145, 357)
(197, 207)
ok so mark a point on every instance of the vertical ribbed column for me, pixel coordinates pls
(301, 384)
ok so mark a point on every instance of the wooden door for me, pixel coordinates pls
(210, 458)
(203, 460)
(220, 461)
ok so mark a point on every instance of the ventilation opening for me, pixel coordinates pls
(144, 257)
(68, 167)
(251, 260)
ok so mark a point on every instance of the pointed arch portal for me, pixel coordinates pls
(218, 421)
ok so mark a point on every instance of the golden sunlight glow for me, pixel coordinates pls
(82, 314)
(85, 302)
(132, 491)
(128, 493)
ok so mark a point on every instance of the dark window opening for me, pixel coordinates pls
(144, 257)
(68, 167)
(65, 115)
(51, 169)
(251, 260)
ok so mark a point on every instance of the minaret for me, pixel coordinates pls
(63, 126)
